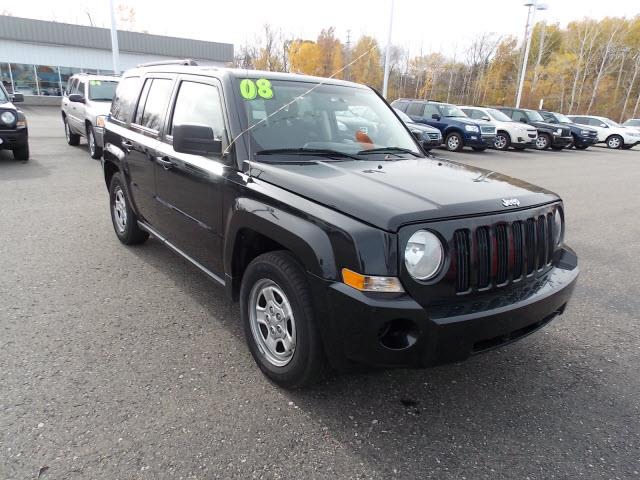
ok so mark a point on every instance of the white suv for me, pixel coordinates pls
(508, 132)
(610, 132)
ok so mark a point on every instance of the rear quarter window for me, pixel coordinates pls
(125, 99)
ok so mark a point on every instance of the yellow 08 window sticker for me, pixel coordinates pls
(250, 89)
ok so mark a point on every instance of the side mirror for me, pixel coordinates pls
(604, 125)
(486, 117)
(436, 117)
(523, 120)
(17, 98)
(196, 140)
(76, 98)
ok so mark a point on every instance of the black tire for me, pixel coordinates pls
(454, 142)
(127, 231)
(543, 141)
(73, 139)
(307, 363)
(581, 147)
(95, 151)
(615, 142)
(502, 141)
(21, 153)
(479, 149)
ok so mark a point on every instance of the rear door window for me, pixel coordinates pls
(415, 109)
(156, 104)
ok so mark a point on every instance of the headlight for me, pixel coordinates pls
(8, 118)
(584, 132)
(558, 227)
(423, 255)
(100, 121)
(471, 128)
(558, 131)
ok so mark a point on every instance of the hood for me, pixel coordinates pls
(550, 126)
(464, 120)
(7, 106)
(422, 127)
(389, 194)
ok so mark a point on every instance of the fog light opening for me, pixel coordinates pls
(398, 334)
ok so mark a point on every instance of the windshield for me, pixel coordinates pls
(563, 118)
(611, 123)
(102, 90)
(632, 123)
(498, 115)
(450, 111)
(330, 117)
(534, 116)
(403, 116)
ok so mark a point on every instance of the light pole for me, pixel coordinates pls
(531, 15)
(114, 41)
(387, 62)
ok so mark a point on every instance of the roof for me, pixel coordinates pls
(54, 33)
(90, 76)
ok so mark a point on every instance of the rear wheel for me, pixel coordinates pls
(73, 139)
(278, 319)
(94, 150)
(21, 153)
(543, 141)
(125, 222)
(615, 141)
(454, 142)
(502, 141)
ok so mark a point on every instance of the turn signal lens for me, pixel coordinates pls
(367, 283)
(100, 121)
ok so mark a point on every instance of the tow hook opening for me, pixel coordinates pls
(398, 334)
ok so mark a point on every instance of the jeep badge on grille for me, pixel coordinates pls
(510, 202)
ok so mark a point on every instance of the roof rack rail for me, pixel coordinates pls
(186, 62)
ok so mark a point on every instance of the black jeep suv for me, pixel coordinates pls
(583, 137)
(343, 246)
(549, 135)
(14, 134)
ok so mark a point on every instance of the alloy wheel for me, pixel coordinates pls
(453, 142)
(90, 141)
(614, 142)
(500, 142)
(119, 209)
(541, 142)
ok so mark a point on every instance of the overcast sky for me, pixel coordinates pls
(430, 25)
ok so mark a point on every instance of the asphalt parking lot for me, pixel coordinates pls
(127, 363)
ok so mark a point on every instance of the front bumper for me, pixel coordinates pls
(98, 133)
(472, 139)
(356, 323)
(585, 141)
(10, 139)
(557, 141)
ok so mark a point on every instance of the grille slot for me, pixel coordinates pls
(484, 257)
(463, 250)
(518, 250)
(542, 241)
(530, 244)
(550, 237)
(502, 254)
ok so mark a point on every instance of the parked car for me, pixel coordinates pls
(14, 134)
(632, 123)
(611, 133)
(343, 248)
(508, 132)
(85, 105)
(428, 136)
(583, 137)
(457, 129)
(549, 135)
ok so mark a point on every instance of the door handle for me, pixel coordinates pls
(165, 162)
(127, 144)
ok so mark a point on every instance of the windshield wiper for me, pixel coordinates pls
(389, 150)
(319, 152)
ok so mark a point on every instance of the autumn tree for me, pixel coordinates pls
(367, 69)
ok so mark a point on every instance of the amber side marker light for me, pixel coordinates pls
(368, 283)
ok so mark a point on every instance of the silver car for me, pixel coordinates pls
(85, 105)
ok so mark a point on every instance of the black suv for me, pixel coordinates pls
(14, 134)
(343, 246)
(549, 135)
(583, 137)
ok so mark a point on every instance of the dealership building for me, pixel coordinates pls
(37, 57)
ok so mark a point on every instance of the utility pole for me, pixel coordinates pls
(115, 52)
(387, 61)
(533, 5)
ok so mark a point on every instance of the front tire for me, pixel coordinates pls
(502, 141)
(125, 221)
(278, 318)
(615, 142)
(21, 153)
(543, 141)
(454, 142)
(73, 139)
(94, 150)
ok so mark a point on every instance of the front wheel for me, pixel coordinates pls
(615, 141)
(279, 322)
(543, 141)
(125, 222)
(94, 150)
(454, 142)
(73, 139)
(502, 141)
(21, 153)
